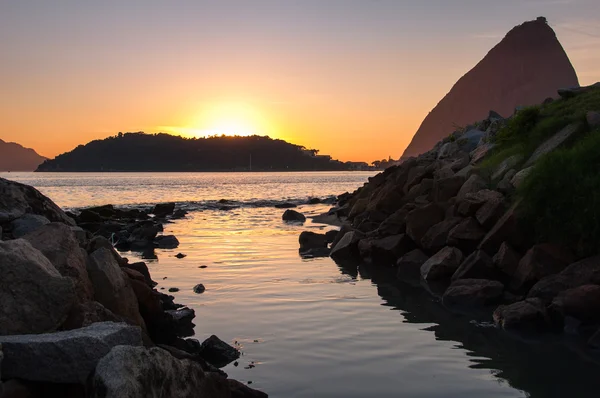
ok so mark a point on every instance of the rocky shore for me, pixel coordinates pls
(454, 221)
(79, 320)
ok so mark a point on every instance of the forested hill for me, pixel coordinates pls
(164, 152)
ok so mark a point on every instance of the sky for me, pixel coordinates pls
(351, 78)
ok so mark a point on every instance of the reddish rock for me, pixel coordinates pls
(473, 292)
(409, 265)
(435, 239)
(466, 235)
(507, 259)
(540, 261)
(442, 264)
(477, 266)
(421, 219)
(582, 302)
(526, 315)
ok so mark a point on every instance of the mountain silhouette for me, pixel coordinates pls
(525, 68)
(15, 157)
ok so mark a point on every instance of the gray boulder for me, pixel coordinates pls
(520, 177)
(474, 184)
(111, 286)
(57, 242)
(504, 166)
(137, 372)
(34, 297)
(18, 199)
(553, 142)
(27, 223)
(63, 357)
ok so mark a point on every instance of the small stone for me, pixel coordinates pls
(203, 266)
(180, 255)
(173, 289)
(199, 288)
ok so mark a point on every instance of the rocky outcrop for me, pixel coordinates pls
(35, 357)
(15, 157)
(529, 53)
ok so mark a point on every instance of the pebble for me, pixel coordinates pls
(199, 288)
(203, 266)
(173, 289)
(181, 255)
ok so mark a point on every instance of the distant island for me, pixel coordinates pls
(15, 157)
(137, 152)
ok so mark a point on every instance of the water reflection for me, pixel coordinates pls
(548, 367)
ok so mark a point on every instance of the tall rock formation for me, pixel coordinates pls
(14, 157)
(525, 68)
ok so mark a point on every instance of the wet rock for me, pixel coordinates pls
(199, 288)
(582, 303)
(173, 289)
(313, 201)
(437, 236)
(293, 215)
(507, 259)
(286, 205)
(89, 216)
(540, 261)
(474, 184)
(27, 223)
(442, 265)
(310, 240)
(34, 297)
(346, 250)
(526, 315)
(180, 255)
(218, 352)
(162, 210)
(166, 242)
(582, 272)
(58, 244)
(466, 235)
(473, 292)
(421, 219)
(330, 236)
(409, 265)
(111, 286)
(179, 214)
(477, 266)
(64, 357)
(553, 142)
(239, 390)
(139, 372)
(387, 250)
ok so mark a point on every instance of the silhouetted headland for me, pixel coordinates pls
(15, 157)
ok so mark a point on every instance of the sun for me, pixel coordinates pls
(229, 118)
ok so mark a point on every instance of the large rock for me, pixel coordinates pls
(540, 261)
(217, 352)
(166, 242)
(409, 265)
(395, 223)
(472, 202)
(466, 235)
(526, 315)
(505, 166)
(163, 209)
(490, 212)
(507, 229)
(521, 176)
(311, 240)
(18, 199)
(57, 242)
(582, 302)
(473, 292)
(293, 216)
(421, 219)
(553, 142)
(34, 297)
(437, 236)
(446, 188)
(137, 372)
(473, 184)
(27, 223)
(442, 265)
(64, 357)
(111, 286)
(387, 250)
(582, 272)
(477, 266)
(346, 250)
(507, 259)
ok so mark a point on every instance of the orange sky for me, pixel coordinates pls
(352, 80)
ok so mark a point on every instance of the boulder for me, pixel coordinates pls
(98, 242)
(359, 207)
(217, 352)
(553, 142)
(409, 265)
(89, 216)
(526, 315)
(437, 236)
(448, 150)
(472, 202)
(387, 250)
(163, 209)
(473, 292)
(520, 176)
(446, 188)
(479, 153)
(473, 184)
(470, 139)
(504, 166)
(199, 288)
(540, 261)
(57, 242)
(507, 259)
(27, 223)
(293, 216)
(240, 390)
(142, 268)
(593, 119)
(346, 250)
(582, 272)
(466, 235)
(34, 297)
(64, 357)
(166, 242)
(507, 229)
(395, 223)
(491, 211)
(571, 92)
(112, 287)
(441, 265)
(421, 219)
(18, 199)
(311, 240)
(466, 172)
(137, 372)
(582, 303)
(477, 266)
(89, 312)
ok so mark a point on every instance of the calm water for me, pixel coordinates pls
(312, 328)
